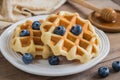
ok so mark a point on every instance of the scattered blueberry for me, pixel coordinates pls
(116, 66)
(27, 58)
(54, 60)
(36, 25)
(76, 30)
(103, 71)
(24, 33)
(60, 30)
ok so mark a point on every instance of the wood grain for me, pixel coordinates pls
(9, 72)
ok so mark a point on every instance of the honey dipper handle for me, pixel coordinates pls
(87, 5)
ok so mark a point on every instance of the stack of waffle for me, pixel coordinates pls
(82, 47)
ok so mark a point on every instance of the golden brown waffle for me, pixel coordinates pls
(29, 44)
(83, 47)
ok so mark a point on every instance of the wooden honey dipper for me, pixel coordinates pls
(108, 14)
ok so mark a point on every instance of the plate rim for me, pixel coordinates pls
(48, 74)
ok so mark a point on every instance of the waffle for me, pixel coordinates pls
(82, 48)
(29, 44)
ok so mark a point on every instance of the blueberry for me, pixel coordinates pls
(54, 60)
(116, 66)
(24, 33)
(103, 71)
(27, 58)
(36, 25)
(60, 30)
(76, 30)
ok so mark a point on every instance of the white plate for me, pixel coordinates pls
(42, 67)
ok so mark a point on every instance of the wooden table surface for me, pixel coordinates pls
(9, 72)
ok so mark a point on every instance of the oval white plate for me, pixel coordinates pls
(42, 67)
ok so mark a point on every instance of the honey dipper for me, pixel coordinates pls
(108, 14)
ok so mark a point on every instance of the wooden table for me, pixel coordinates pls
(9, 72)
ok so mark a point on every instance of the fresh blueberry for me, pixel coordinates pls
(103, 71)
(60, 30)
(27, 58)
(54, 60)
(116, 66)
(36, 25)
(76, 30)
(24, 33)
